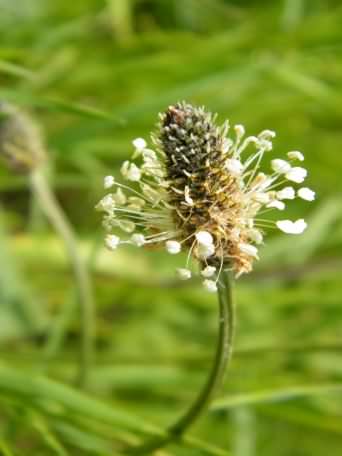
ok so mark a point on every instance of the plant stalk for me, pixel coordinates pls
(57, 218)
(222, 357)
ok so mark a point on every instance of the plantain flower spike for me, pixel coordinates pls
(21, 144)
(200, 191)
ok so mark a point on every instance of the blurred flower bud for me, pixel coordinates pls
(21, 144)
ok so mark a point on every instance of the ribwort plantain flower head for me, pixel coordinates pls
(199, 191)
(21, 144)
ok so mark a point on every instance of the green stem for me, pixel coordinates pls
(120, 14)
(57, 218)
(216, 376)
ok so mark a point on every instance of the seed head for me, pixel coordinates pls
(198, 195)
(20, 140)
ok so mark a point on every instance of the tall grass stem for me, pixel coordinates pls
(57, 218)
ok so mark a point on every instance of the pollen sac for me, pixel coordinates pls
(20, 140)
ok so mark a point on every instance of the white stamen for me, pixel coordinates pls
(209, 271)
(150, 156)
(210, 285)
(126, 225)
(187, 197)
(295, 155)
(204, 238)
(138, 239)
(107, 204)
(266, 134)
(119, 197)
(136, 202)
(134, 173)
(139, 144)
(234, 166)
(261, 182)
(297, 174)
(112, 241)
(239, 130)
(173, 247)
(265, 145)
(108, 182)
(130, 171)
(249, 249)
(286, 193)
(151, 193)
(183, 273)
(280, 166)
(277, 205)
(289, 227)
(124, 168)
(227, 144)
(306, 194)
(261, 197)
(205, 251)
(254, 235)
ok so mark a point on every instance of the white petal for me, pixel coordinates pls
(209, 271)
(204, 238)
(112, 241)
(139, 144)
(297, 174)
(138, 239)
(248, 249)
(306, 194)
(289, 227)
(234, 166)
(295, 155)
(210, 285)
(286, 193)
(108, 181)
(184, 274)
(173, 247)
(277, 205)
(280, 166)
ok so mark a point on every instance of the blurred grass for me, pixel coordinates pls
(95, 73)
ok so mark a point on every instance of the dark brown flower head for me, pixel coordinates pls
(197, 193)
(195, 150)
(20, 140)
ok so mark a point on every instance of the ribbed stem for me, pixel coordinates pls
(57, 218)
(215, 379)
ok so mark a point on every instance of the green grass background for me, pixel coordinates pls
(95, 74)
